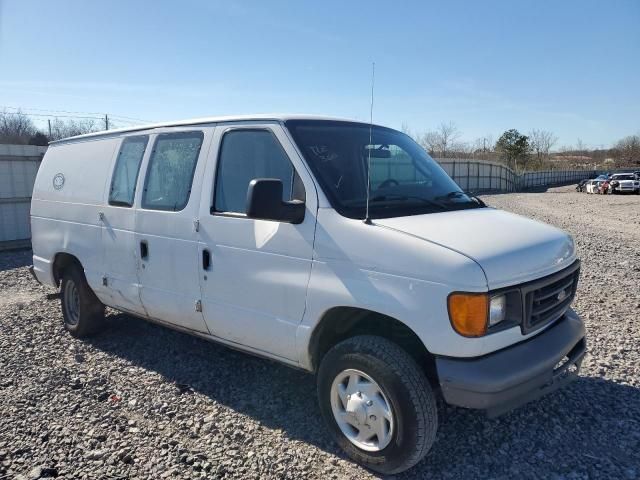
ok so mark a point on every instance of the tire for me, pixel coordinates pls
(82, 312)
(404, 388)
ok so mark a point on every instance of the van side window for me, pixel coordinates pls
(248, 154)
(125, 174)
(170, 171)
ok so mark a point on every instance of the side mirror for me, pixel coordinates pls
(264, 202)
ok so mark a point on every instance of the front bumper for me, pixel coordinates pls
(501, 381)
(624, 188)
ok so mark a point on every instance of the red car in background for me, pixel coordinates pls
(603, 188)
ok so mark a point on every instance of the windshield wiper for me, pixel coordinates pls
(391, 196)
(472, 196)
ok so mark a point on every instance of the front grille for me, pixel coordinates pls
(547, 299)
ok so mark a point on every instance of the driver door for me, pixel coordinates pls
(254, 273)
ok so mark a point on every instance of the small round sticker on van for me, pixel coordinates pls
(58, 181)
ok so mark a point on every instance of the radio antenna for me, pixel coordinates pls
(367, 219)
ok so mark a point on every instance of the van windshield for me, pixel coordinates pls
(405, 180)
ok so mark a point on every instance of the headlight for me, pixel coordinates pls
(473, 314)
(497, 309)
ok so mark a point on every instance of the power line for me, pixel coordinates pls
(49, 110)
(99, 115)
(131, 118)
(49, 116)
(106, 120)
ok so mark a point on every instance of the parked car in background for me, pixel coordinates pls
(332, 246)
(581, 186)
(592, 186)
(624, 183)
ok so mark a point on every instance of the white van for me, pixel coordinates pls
(259, 233)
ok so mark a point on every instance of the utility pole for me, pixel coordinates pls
(49, 122)
(106, 121)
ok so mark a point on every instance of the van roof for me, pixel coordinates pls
(201, 121)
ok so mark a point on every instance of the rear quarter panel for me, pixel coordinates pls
(65, 219)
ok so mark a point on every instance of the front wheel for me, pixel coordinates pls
(377, 403)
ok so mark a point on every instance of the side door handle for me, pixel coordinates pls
(144, 249)
(206, 259)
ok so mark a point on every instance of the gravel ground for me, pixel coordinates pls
(142, 401)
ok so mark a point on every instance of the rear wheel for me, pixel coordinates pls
(82, 312)
(377, 403)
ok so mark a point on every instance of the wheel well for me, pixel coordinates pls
(340, 323)
(61, 262)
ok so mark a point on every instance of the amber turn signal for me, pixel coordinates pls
(468, 313)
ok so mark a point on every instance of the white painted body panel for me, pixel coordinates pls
(169, 280)
(66, 220)
(510, 248)
(270, 283)
(401, 275)
(120, 264)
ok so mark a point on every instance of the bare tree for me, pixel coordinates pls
(627, 150)
(565, 149)
(16, 127)
(483, 147)
(404, 128)
(448, 133)
(70, 128)
(429, 141)
(541, 142)
(440, 142)
(461, 150)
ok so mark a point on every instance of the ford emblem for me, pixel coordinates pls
(58, 181)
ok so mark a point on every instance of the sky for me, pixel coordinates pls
(571, 67)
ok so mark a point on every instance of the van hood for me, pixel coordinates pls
(511, 249)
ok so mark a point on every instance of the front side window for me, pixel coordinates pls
(404, 179)
(170, 171)
(125, 174)
(246, 155)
